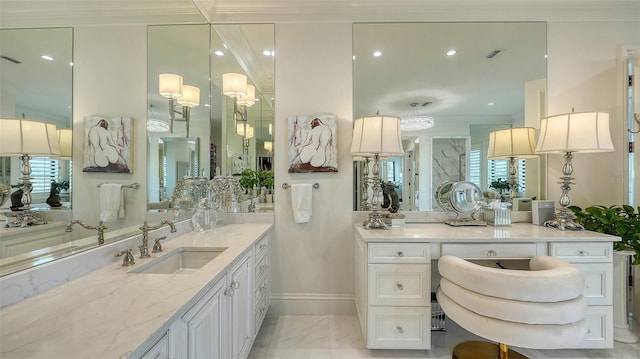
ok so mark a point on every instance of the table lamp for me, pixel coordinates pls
(373, 137)
(510, 144)
(25, 138)
(569, 133)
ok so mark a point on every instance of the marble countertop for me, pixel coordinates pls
(440, 232)
(109, 313)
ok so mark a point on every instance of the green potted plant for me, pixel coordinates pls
(249, 179)
(622, 221)
(266, 179)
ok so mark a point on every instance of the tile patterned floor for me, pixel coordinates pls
(338, 337)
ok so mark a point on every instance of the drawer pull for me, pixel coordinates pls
(491, 253)
(400, 254)
(583, 253)
(400, 330)
(263, 246)
(400, 286)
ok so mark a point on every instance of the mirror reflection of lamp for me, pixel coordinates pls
(510, 144)
(569, 133)
(373, 137)
(25, 138)
(235, 86)
(171, 87)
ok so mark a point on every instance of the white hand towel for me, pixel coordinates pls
(111, 202)
(301, 202)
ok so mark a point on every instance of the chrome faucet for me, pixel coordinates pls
(144, 247)
(100, 228)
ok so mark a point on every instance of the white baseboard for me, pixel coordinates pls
(311, 304)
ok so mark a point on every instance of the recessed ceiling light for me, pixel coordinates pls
(206, 105)
(451, 52)
(354, 57)
(219, 53)
(47, 57)
(71, 63)
(377, 53)
(268, 53)
(491, 103)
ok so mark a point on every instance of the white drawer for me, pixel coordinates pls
(261, 268)
(399, 328)
(399, 253)
(262, 305)
(598, 279)
(400, 284)
(599, 328)
(261, 247)
(262, 287)
(575, 252)
(489, 250)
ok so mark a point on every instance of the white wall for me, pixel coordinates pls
(585, 73)
(110, 79)
(312, 262)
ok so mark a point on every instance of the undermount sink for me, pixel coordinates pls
(180, 260)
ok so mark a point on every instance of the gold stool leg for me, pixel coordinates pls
(484, 350)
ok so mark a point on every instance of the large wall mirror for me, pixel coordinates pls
(36, 67)
(471, 78)
(232, 135)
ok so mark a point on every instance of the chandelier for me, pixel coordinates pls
(415, 122)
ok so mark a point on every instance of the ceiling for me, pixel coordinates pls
(385, 93)
(28, 13)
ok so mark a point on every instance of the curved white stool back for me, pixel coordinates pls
(542, 308)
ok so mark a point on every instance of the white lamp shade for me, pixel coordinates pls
(377, 135)
(234, 84)
(190, 96)
(65, 140)
(28, 137)
(250, 98)
(249, 133)
(575, 132)
(170, 85)
(240, 128)
(512, 142)
(268, 146)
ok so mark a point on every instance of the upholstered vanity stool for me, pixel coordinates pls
(541, 308)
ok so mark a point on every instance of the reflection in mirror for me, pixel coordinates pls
(178, 117)
(472, 79)
(205, 54)
(36, 67)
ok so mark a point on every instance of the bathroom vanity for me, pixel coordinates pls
(209, 305)
(395, 272)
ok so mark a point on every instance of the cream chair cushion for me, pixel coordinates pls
(542, 308)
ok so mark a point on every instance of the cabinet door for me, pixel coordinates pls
(204, 329)
(159, 350)
(242, 309)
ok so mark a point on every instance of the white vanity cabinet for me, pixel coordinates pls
(393, 271)
(394, 293)
(202, 331)
(220, 324)
(223, 323)
(240, 294)
(595, 261)
(262, 285)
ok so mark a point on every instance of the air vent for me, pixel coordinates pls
(493, 54)
(10, 59)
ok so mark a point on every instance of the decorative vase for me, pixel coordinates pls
(621, 332)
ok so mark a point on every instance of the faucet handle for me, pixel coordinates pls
(128, 257)
(157, 247)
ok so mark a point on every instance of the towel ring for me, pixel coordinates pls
(286, 185)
